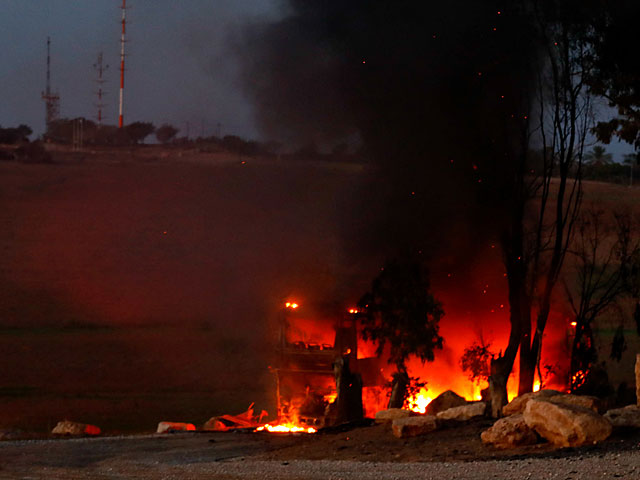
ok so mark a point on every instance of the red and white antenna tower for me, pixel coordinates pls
(100, 68)
(122, 42)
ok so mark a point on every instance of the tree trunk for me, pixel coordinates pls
(527, 366)
(583, 354)
(348, 392)
(500, 370)
(398, 389)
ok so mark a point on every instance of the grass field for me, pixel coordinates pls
(140, 286)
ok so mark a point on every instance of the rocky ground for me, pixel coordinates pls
(367, 452)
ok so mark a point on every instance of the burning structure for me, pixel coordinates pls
(312, 370)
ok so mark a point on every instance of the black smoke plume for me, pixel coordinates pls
(438, 93)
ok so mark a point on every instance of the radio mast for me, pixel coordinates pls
(122, 42)
(51, 99)
(100, 68)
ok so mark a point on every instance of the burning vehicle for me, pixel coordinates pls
(321, 382)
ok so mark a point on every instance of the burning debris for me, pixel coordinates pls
(319, 383)
(224, 423)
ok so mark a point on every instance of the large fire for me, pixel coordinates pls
(310, 342)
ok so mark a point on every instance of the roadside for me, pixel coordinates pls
(367, 453)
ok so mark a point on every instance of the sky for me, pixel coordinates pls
(180, 65)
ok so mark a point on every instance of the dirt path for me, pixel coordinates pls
(453, 453)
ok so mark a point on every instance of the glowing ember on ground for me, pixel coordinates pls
(285, 428)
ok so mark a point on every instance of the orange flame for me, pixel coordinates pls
(285, 428)
(418, 402)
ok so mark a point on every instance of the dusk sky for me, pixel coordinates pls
(180, 65)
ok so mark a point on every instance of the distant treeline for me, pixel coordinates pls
(86, 132)
(612, 172)
(14, 135)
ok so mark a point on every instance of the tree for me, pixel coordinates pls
(401, 312)
(606, 255)
(165, 133)
(15, 135)
(475, 361)
(138, 131)
(545, 203)
(616, 70)
(633, 160)
(598, 156)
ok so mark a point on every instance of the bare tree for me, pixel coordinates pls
(546, 202)
(606, 253)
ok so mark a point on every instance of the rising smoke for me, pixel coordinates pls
(437, 91)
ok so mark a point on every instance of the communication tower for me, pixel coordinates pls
(100, 68)
(51, 99)
(122, 42)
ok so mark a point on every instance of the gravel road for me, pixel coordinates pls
(220, 456)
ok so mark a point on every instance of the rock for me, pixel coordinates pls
(67, 427)
(638, 379)
(391, 414)
(413, 426)
(169, 427)
(586, 401)
(11, 434)
(445, 401)
(566, 425)
(518, 404)
(509, 432)
(463, 412)
(627, 417)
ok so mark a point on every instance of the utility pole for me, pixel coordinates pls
(122, 42)
(100, 68)
(78, 133)
(52, 100)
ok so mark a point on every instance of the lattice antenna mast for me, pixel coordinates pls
(122, 42)
(51, 99)
(100, 68)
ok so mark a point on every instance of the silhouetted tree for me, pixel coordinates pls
(545, 203)
(606, 267)
(138, 131)
(598, 156)
(616, 70)
(15, 135)
(401, 312)
(475, 361)
(165, 133)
